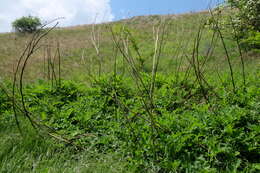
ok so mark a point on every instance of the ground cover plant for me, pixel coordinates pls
(151, 101)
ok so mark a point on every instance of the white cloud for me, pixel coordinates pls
(74, 11)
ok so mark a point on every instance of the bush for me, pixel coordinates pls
(247, 20)
(248, 13)
(252, 40)
(28, 24)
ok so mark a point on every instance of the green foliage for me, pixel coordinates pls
(37, 153)
(247, 21)
(191, 135)
(28, 24)
(252, 40)
(248, 15)
(5, 100)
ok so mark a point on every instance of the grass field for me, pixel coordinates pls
(147, 94)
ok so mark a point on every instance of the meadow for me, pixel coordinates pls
(172, 93)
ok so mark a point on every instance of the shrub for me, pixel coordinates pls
(28, 24)
(252, 40)
(247, 21)
(248, 13)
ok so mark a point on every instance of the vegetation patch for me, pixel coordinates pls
(150, 102)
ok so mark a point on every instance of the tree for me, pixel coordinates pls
(28, 24)
(247, 21)
(248, 13)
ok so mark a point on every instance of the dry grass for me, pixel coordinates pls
(78, 54)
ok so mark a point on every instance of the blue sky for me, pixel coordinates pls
(78, 12)
(126, 8)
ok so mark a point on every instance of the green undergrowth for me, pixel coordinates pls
(110, 128)
(36, 152)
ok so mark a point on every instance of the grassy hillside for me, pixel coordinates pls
(78, 56)
(147, 94)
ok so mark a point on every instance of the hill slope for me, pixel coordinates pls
(78, 55)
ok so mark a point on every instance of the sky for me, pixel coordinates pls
(77, 12)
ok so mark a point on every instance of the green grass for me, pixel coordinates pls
(34, 153)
